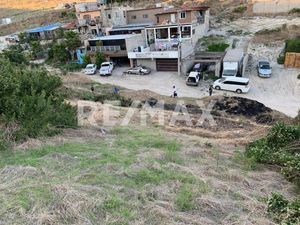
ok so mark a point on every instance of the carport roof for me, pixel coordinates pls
(46, 28)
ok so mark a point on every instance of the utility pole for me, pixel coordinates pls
(179, 46)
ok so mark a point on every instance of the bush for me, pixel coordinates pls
(58, 53)
(293, 45)
(283, 211)
(281, 59)
(294, 11)
(100, 58)
(280, 147)
(15, 55)
(86, 60)
(240, 9)
(219, 47)
(298, 76)
(29, 99)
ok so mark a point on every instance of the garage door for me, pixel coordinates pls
(166, 64)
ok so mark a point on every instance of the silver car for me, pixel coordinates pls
(140, 70)
(264, 69)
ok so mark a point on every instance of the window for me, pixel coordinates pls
(133, 17)
(145, 16)
(108, 16)
(186, 32)
(162, 33)
(117, 15)
(194, 31)
(182, 15)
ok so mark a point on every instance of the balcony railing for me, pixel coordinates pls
(105, 48)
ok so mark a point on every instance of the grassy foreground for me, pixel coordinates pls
(134, 176)
(100, 182)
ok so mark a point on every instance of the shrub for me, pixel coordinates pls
(283, 211)
(293, 45)
(86, 60)
(219, 47)
(280, 147)
(240, 9)
(294, 11)
(185, 199)
(298, 76)
(15, 55)
(29, 98)
(58, 53)
(100, 58)
(281, 59)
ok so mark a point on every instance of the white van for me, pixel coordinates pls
(236, 84)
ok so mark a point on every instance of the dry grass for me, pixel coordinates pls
(34, 4)
(135, 176)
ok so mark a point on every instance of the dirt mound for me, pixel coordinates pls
(241, 106)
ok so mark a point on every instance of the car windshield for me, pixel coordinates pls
(105, 65)
(89, 67)
(229, 72)
(265, 66)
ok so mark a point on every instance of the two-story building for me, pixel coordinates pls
(172, 39)
(115, 47)
(89, 17)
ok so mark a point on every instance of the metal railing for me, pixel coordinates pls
(106, 48)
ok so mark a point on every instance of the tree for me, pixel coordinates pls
(58, 53)
(30, 99)
(87, 60)
(15, 55)
(72, 42)
(36, 49)
(100, 58)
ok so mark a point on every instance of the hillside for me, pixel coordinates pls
(34, 4)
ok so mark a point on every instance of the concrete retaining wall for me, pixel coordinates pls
(274, 6)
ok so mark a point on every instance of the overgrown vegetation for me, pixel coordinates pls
(293, 45)
(29, 104)
(294, 11)
(298, 76)
(283, 211)
(280, 147)
(240, 9)
(219, 47)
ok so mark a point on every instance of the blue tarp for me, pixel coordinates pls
(46, 28)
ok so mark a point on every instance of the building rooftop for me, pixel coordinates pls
(46, 28)
(179, 9)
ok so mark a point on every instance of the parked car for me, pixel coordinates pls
(193, 79)
(236, 84)
(264, 69)
(106, 68)
(90, 69)
(142, 70)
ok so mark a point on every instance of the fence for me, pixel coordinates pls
(292, 60)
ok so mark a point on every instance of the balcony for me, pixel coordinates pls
(105, 48)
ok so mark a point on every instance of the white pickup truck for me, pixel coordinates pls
(106, 68)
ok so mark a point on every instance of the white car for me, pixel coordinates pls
(106, 68)
(236, 84)
(90, 69)
(142, 70)
(193, 79)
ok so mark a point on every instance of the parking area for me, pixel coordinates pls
(280, 92)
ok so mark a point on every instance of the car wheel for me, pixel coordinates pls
(239, 91)
(218, 88)
(129, 72)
